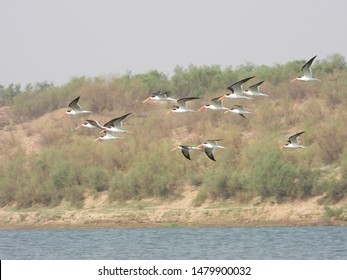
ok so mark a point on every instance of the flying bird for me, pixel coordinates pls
(116, 125)
(238, 109)
(307, 72)
(182, 108)
(293, 141)
(209, 146)
(159, 96)
(75, 108)
(254, 90)
(107, 136)
(186, 150)
(216, 105)
(90, 124)
(237, 90)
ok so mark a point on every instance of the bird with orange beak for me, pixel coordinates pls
(216, 105)
(75, 109)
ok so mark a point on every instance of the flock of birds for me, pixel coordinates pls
(115, 125)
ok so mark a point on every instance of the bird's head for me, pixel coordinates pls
(65, 113)
(79, 126)
(147, 99)
(224, 96)
(283, 146)
(204, 107)
(295, 79)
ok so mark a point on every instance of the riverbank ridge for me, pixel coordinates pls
(98, 212)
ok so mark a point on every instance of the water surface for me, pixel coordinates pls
(242, 243)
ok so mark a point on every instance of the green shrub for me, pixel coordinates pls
(75, 195)
(96, 177)
(201, 197)
(271, 175)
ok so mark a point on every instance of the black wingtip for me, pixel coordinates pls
(75, 101)
(186, 154)
(127, 114)
(209, 153)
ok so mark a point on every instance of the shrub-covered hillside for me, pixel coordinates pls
(44, 160)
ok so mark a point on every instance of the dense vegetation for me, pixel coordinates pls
(69, 165)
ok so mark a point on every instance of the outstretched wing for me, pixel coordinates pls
(185, 152)
(307, 67)
(209, 153)
(255, 87)
(164, 94)
(240, 107)
(94, 123)
(237, 87)
(213, 142)
(182, 101)
(117, 122)
(74, 104)
(294, 138)
(217, 101)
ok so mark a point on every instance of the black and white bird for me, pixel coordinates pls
(186, 150)
(307, 72)
(90, 124)
(75, 108)
(209, 146)
(237, 90)
(159, 96)
(254, 90)
(238, 109)
(116, 125)
(216, 105)
(182, 108)
(107, 136)
(293, 141)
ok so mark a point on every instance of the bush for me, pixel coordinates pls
(201, 197)
(75, 195)
(96, 177)
(271, 175)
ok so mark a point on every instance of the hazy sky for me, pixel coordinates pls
(43, 40)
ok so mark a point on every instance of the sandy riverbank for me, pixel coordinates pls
(179, 212)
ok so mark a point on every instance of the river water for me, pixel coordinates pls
(228, 243)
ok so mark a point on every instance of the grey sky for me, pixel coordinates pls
(43, 40)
